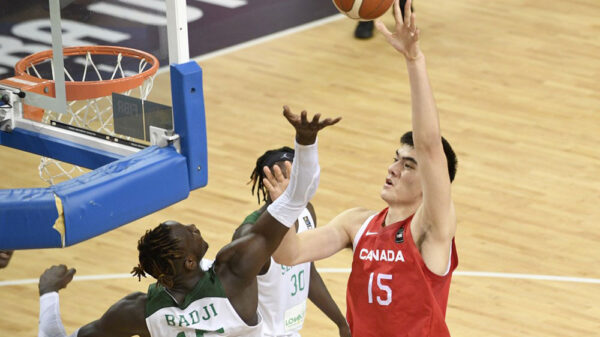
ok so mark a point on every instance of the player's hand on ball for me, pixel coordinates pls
(55, 278)
(405, 36)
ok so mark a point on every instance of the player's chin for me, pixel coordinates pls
(385, 194)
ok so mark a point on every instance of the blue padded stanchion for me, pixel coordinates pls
(190, 122)
(26, 219)
(96, 202)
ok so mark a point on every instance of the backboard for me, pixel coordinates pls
(83, 96)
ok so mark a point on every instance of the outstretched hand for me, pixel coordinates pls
(406, 34)
(306, 132)
(276, 180)
(55, 278)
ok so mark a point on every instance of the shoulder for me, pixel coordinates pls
(252, 217)
(125, 317)
(356, 216)
(132, 305)
(133, 312)
(352, 219)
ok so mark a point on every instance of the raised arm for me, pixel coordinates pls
(245, 257)
(434, 223)
(123, 319)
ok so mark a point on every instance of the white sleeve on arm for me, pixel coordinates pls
(50, 322)
(302, 186)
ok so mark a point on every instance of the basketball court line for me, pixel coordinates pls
(513, 276)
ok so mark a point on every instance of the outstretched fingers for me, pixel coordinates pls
(330, 121)
(268, 174)
(278, 174)
(288, 169)
(382, 28)
(269, 181)
(315, 120)
(398, 13)
(275, 180)
(306, 131)
(407, 13)
(317, 123)
(303, 117)
(290, 116)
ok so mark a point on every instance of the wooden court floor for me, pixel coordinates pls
(517, 85)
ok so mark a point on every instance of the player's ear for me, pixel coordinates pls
(190, 263)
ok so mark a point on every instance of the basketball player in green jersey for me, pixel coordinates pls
(186, 300)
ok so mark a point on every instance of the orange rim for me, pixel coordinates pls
(94, 89)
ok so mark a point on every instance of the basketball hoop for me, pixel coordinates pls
(89, 101)
(82, 89)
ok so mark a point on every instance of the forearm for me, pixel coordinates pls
(253, 250)
(425, 119)
(304, 180)
(50, 324)
(309, 246)
(320, 296)
(287, 252)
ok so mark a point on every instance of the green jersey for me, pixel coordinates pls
(205, 311)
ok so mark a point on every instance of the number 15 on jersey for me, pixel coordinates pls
(381, 278)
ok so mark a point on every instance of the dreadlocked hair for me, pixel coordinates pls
(269, 158)
(157, 253)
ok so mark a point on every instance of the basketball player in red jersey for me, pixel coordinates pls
(404, 255)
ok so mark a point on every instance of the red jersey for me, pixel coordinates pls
(391, 292)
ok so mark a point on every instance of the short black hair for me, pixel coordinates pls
(269, 158)
(451, 159)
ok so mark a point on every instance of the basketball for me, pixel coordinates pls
(364, 10)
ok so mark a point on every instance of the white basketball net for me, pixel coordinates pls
(93, 114)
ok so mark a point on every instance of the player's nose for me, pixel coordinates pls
(394, 170)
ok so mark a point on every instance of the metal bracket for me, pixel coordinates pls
(10, 108)
(162, 138)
